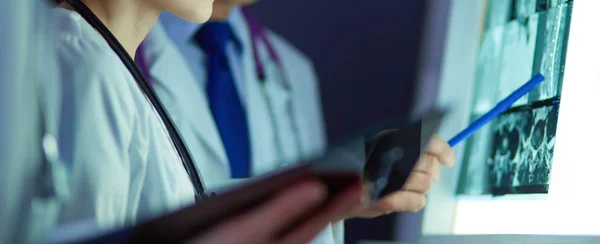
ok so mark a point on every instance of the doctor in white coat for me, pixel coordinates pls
(282, 105)
(276, 83)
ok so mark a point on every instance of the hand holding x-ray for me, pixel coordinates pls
(412, 196)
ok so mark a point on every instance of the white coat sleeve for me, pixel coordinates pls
(96, 125)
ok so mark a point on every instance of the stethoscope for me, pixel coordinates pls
(145, 87)
(257, 34)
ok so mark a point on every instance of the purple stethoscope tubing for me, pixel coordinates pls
(258, 34)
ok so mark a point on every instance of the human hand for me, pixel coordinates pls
(265, 223)
(411, 198)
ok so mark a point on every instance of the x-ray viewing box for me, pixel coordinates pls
(569, 208)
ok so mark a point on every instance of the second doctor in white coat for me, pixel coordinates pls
(283, 110)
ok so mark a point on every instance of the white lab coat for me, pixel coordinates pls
(120, 164)
(187, 103)
(28, 78)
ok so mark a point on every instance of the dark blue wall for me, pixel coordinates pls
(365, 52)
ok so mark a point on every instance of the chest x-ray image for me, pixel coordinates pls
(514, 153)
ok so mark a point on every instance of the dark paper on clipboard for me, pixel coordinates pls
(392, 155)
(331, 169)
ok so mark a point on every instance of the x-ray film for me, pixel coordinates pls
(522, 148)
(513, 154)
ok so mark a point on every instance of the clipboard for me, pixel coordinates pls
(329, 168)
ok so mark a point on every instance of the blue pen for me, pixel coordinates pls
(500, 108)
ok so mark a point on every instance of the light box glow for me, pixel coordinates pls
(573, 201)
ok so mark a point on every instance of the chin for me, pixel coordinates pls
(197, 11)
(199, 15)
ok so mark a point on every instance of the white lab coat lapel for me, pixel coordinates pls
(279, 94)
(262, 134)
(180, 83)
(300, 139)
(304, 98)
(301, 98)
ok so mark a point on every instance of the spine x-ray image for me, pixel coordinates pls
(522, 148)
(513, 154)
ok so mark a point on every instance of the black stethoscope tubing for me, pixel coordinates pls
(150, 94)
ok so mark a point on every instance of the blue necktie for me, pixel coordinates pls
(225, 103)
